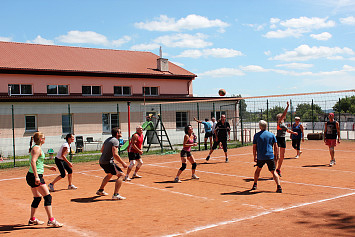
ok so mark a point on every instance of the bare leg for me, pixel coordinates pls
(276, 177)
(257, 174)
(192, 160)
(43, 190)
(332, 152)
(118, 183)
(35, 194)
(56, 179)
(105, 181)
(183, 160)
(70, 179)
(282, 156)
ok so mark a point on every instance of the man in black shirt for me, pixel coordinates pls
(222, 133)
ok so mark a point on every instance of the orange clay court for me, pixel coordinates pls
(317, 200)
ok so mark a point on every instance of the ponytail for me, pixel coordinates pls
(36, 138)
(29, 150)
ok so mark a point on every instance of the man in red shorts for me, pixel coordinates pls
(331, 133)
(134, 153)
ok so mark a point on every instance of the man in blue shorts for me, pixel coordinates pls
(109, 152)
(263, 144)
(208, 131)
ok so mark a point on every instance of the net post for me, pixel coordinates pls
(198, 126)
(267, 114)
(13, 134)
(339, 115)
(70, 154)
(129, 118)
(291, 118)
(312, 118)
(161, 130)
(241, 122)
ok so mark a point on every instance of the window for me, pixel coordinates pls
(57, 89)
(20, 89)
(109, 121)
(67, 125)
(91, 90)
(122, 90)
(181, 119)
(150, 90)
(30, 123)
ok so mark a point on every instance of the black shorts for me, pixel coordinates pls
(296, 144)
(281, 142)
(133, 156)
(111, 168)
(270, 164)
(30, 178)
(208, 134)
(224, 144)
(62, 166)
(184, 153)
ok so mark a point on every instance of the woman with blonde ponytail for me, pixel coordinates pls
(35, 180)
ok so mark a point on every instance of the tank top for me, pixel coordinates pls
(331, 130)
(281, 130)
(138, 144)
(39, 162)
(189, 141)
(297, 129)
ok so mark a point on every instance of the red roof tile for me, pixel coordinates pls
(92, 60)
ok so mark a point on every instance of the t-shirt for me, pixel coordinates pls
(107, 156)
(39, 162)
(297, 129)
(213, 126)
(60, 152)
(264, 141)
(222, 129)
(281, 130)
(208, 126)
(332, 131)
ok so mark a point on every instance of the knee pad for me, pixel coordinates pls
(140, 163)
(36, 201)
(47, 200)
(183, 166)
(194, 165)
(132, 163)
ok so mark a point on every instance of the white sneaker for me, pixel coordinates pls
(118, 197)
(103, 193)
(300, 153)
(331, 163)
(51, 187)
(72, 186)
(126, 179)
(136, 176)
(227, 160)
(296, 157)
(194, 177)
(35, 222)
(177, 180)
(54, 223)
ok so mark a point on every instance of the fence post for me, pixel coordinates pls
(267, 114)
(70, 131)
(312, 118)
(198, 126)
(241, 122)
(13, 134)
(161, 130)
(339, 115)
(291, 112)
(118, 118)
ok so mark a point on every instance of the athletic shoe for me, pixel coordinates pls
(278, 172)
(296, 157)
(136, 176)
(35, 222)
(279, 190)
(227, 160)
(118, 197)
(208, 158)
(331, 163)
(334, 162)
(177, 180)
(126, 179)
(300, 153)
(194, 177)
(51, 187)
(54, 223)
(254, 187)
(72, 186)
(101, 193)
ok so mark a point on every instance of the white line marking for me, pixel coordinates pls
(235, 220)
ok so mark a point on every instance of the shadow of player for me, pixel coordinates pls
(89, 199)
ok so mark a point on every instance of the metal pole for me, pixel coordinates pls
(267, 114)
(70, 131)
(291, 119)
(118, 118)
(198, 126)
(214, 111)
(241, 122)
(13, 134)
(339, 115)
(161, 130)
(312, 118)
(129, 118)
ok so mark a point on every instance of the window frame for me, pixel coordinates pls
(122, 90)
(110, 124)
(35, 123)
(64, 132)
(150, 90)
(182, 122)
(57, 89)
(20, 89)
(91, 87)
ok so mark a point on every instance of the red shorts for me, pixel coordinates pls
(331, 142)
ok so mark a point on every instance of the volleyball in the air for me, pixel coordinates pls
(222, 92)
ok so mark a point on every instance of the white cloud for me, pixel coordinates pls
(267, 53)
(348, 68)
(253, 68)
(177, 63)
(305, 52)
(274, 20)
(40, 40)
(338, 57)
(214, 52)
(284, 33)
(191, 22)
(184, 40)
(256, 27)
(83, 37)
(348, 20)
(296, 65)
(123, 40)
(223, 72)
(6, 39)
(323, 36)
(145, 47)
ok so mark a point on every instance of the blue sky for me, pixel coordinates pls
(252, 48)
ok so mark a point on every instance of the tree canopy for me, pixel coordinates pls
(346, 105)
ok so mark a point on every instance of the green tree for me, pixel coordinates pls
(346, 105)
(274, 111)
(304, 111)
(241, 102)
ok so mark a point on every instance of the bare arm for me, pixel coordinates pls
(117, 157)
(35, 153)
(254, 152)
(276, 150)
(338, 130)
(197, 120)
(301, 126)
(284, 113)
(102, 148)
(325, 130)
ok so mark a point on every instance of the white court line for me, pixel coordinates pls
(236, 220)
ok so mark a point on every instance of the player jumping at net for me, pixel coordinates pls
(189, 141)
(263, 152)
(281, 137)
(109, 152)
(134, 153)
(64, 164)
(208, 130)
(222, 131)
(331, 133)
(296, 139)
(38, 186)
